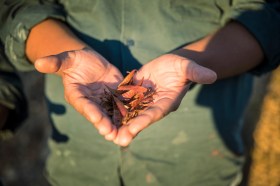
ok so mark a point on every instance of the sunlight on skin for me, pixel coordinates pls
(170, 82)
(81, 80)
(85, 73)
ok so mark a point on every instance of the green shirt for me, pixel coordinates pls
(145, 25)
(192, 146)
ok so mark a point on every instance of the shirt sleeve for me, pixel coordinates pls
(16, 19)
(263, 22)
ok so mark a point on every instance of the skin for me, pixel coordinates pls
(229, 51)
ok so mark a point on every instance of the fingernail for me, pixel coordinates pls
(103, 131)
(124, 141)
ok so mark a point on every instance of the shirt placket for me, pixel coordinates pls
(127, 39)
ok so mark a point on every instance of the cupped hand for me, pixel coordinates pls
(85, 74)
(169, 75)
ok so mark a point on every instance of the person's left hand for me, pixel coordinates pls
(169, 76)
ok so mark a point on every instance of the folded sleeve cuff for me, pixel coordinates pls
(264, 25)
(18, 20)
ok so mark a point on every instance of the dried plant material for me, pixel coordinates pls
(127, 101)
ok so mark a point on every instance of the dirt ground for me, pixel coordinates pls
(265, 166)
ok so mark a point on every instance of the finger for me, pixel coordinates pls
(112, 135)
(198, 73)
(90, 111)
(143, 120)
(124, 136)
(127, 132)
(55, 63)
(152, 114)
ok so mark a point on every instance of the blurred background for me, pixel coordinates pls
(262, 131)
(261, 135)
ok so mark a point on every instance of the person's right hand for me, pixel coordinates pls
(85, 75)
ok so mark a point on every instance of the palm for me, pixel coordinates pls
(84, 74)
(166, 77)
(169, 76)
(168, 81)
(88, 76)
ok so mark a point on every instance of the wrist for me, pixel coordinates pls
(230, 51)
(51, 37)
(199, 57)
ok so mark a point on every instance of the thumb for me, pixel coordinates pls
(200, 74)
(54, 63)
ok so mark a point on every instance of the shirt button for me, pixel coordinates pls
(130, 42)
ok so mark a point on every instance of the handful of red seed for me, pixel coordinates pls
(127, 101)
